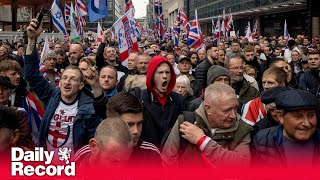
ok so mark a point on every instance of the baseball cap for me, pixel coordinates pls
(182, 57)
(149, 51)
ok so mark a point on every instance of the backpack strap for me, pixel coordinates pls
(189, 117)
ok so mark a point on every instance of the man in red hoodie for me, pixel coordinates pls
(162, 105)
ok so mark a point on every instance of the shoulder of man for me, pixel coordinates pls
(149, 147)
(265, 137)
(82, 153)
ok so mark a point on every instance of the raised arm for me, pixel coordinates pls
(100, 58)
(32, 74)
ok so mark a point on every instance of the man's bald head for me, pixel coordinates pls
(75, 54)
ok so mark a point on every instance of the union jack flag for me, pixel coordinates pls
(128, 4)
(230, 22)
(184, 20)
(137, 28)
(195, 39)
(67, 13)
(176, 31)
(159, 19)
(80, 20)
(169, 33)
(217, 31)
(35, 113)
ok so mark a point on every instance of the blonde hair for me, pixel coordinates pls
(185, 80)
(133, 81)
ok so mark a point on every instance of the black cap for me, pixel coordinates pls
(269, 96)
(5, 81)
(296, 99)
(8, 118)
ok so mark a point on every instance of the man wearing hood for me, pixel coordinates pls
(162, 106)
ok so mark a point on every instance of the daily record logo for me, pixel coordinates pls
(20, 156)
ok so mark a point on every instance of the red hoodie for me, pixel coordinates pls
(153, 65)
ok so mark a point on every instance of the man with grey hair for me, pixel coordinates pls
(111, 145)
(242, 87)
(217, 133)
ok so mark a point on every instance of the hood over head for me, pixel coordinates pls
(153, 65)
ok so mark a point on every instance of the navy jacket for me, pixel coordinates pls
(267, 148)
(309, 81)
(85, 122)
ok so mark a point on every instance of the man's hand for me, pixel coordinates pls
(106, 35)
(92, 78)
(32, 32)
(191, 132)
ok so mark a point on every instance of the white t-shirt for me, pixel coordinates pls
(61, 127)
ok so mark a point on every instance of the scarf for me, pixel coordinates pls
(43, 71)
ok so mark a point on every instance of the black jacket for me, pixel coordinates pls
(263, 124)
(196, 87)
(201, 72)
(158, 119)
(100, 62)
(309, 81)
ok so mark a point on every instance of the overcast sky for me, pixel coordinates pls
(140, 7)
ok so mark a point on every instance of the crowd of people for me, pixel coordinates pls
(235, 103)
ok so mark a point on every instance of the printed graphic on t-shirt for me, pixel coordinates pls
(61, 125)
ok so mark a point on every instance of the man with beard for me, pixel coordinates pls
(75, 54)
(162, 106)
(221, 57)
(235, 49)
(202, 69)
(251, 59)
(242, 87)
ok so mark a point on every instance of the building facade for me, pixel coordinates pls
(270, 14)
(150, 14)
